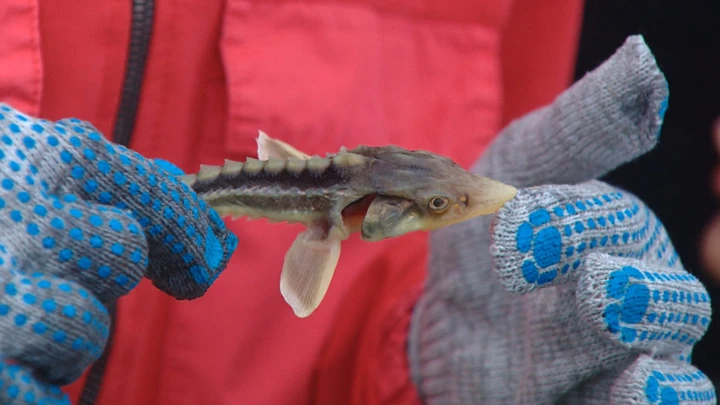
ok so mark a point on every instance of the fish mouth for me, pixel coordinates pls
(354, 213)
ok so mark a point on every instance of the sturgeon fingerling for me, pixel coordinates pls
(378, 192)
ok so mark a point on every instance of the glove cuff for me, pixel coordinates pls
(430, 346)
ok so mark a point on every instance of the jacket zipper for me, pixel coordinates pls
(140, 33)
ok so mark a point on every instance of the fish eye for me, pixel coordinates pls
(439, 204)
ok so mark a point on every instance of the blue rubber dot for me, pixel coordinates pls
(20, 319)
(33, 229)
(76, 213)
(6, 139)
(70, 311)
(121, 280)
(28, 141)
(44, 284)
(134, 188)
(10, 289)
(117, 248)
(2, 203)
(29, 299)
(65, 255)
(66, 157)
(95, 220)
(90, 186)
(103, 166)
(84, 263)
(77, 344)
(116, 225)
(94, 136)
(4, 309)
(39, 328)
(136, 256)
(16, 216)
(133, 229)
(59, 336)
(57, 223)
(49, 242)
(77, 172)
(96, 241)
(23, 197)
(76, 234)
(119, 178)
(213, 249)
(105, 197)
(70, 198)
(13, 391)
(75, 141)
(52, 140)
(145, 198)
(7, 184)
(530, 271)
(40, 210)
(14, 166)
(104, 271)
(89, 154)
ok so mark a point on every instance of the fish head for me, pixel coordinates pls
(426, 192)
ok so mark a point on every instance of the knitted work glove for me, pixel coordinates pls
(83, 221)
(573, 293)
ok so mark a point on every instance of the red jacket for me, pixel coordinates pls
(432, 74)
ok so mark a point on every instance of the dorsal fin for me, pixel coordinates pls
(269, 147)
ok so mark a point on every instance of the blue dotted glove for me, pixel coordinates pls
(573, 292)
(84, 220)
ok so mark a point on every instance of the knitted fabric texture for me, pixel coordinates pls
(83, 221)
(573, 292)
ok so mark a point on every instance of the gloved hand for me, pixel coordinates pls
(83, 221)
(573, 292)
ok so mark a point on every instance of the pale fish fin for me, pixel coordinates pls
(309, 266)
(269, 147)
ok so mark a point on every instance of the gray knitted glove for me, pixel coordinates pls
(573, 293)
(83, 221)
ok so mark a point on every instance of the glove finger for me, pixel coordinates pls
(609, 117)
(652, 381)
(19, 386)
(541, 237)
(643, 307)
(98, 247)
(189, 244)
(54, 326)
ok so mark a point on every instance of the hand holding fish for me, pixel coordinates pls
(574, 292)
(83, 221)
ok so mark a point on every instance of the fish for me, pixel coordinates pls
(378, 192)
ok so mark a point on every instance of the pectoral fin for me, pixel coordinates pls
(309, 266)
(269, 147)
